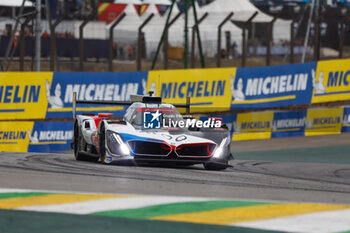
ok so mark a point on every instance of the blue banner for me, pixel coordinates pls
(346, 120)
(275, 86)
(288, 124)
(50, 136)
(92, 86)
(228, 119)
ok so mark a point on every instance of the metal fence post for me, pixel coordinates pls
(139, 51)
(53, 41)
(166, 40)
(244, 39)
(292, 42)
(22, 41)
(198, 35)
(111, 36)
(163, 34)
(269, 42)
(218, 54)
(194, 38)
(81, 39)
(9, 46)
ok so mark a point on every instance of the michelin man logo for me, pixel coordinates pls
(152, 87)
(237, 127)
(309, 124)
(274, 126)
(34, 138)
(55, 101)
(237, 94)
(346, 120)
(144, 86)
(318, 86)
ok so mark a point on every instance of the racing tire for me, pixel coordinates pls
(102, 142)
(221, 164)
(77, 142)
(216, 166)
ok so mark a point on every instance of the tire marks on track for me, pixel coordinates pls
(259, 174)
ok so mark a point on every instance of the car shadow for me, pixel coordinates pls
(131, 163)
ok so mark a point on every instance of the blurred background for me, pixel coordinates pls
(125, 35)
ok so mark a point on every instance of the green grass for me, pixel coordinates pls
(13, 221)
(176, 208)
(29, 194)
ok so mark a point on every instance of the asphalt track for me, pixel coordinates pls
(264, 170)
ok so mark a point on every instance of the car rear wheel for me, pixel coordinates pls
(78, 142)
(102, 142)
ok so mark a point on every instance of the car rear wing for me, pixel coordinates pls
(187, 105)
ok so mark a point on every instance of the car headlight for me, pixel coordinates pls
(116, 144)
(219, 150)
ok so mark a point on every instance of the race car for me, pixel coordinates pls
(150, 132)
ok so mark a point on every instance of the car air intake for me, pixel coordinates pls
(144, 148)
(195, 150)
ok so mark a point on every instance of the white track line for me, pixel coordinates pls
(88, 207)
(322, 222)
(6, 190)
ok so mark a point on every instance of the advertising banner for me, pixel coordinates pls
(209, 89)
(34, 96)
(50, 136)
(162, 9)
(228, 119)
(30, 136)
(324, 121)
(141, 9)
(92, 86)
(288, 124)
(250, 126)
(14, 135)
(274, 86)
(108, 12)
(23, 95)
(331, 81)
(346, 120)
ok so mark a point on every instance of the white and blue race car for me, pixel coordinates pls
(150, 132)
